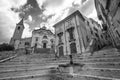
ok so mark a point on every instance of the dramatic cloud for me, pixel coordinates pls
(37, 13)
(8, 18)
(66, 7)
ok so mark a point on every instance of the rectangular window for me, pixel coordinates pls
(118, 33)
(27, 43)
(60, 37)
(71, 36)
(36, 38)
(71, 33)
(35, 45)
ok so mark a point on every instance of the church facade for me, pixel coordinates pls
(41, 38)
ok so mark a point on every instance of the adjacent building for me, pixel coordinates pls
(108, 12)
(95, 31)
(72, 34)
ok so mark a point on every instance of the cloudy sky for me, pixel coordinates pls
(37, 13)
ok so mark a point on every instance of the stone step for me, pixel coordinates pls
(111, 66)
(91, 77)
(117, 59)
(21, 64)
(77, 76)
(27, 62)
(23, 74)
(101, 73)
(37, 77)
(92, 57)
(103, 60)
(101, 54)
(25, 68)
(63, 61)
(27, 65)
(97, 62)
(65, 76)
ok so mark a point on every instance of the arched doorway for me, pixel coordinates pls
(44, 43)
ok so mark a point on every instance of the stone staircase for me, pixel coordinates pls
(26, 67)
(102, 65)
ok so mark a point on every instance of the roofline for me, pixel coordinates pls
(76, 12)
(42, 29)
(26, 38)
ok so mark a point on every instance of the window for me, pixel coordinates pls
(95, 29)
(51, 40)
(45, 37)
(87, 38)
(19, 28)
(35, 45)
(119, 4)
(96, 35)
(51, 46)
(118, 21)
(100, 17)
(44, 45)
(87, 23)
(118, 33)
(36, 38)
(104, 27)
(108, 4)
(71, 34)
(27, 43)
(106, 37)
(60, 37)
(101, 36)
(69, 22)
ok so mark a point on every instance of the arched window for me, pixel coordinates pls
(44, 37)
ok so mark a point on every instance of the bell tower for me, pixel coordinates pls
(18, 32)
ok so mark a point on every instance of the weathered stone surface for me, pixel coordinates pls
(37, 67)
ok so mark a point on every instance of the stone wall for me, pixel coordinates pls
(6, 54)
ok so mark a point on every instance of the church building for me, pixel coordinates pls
(41, 38)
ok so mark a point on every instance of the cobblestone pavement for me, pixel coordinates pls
(102, 65)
